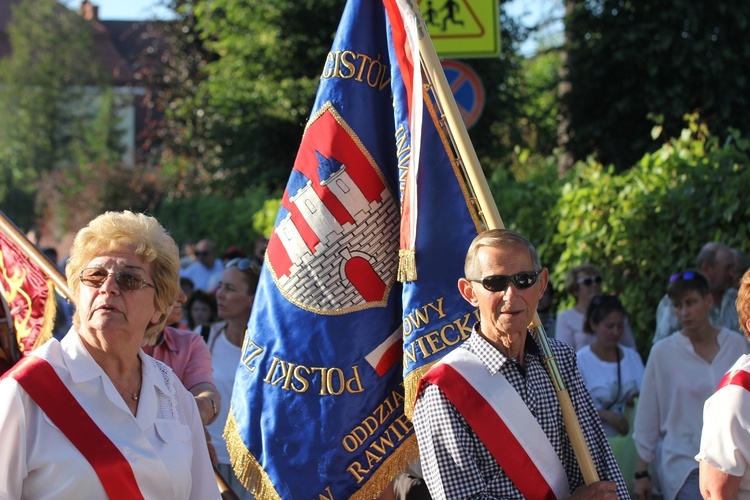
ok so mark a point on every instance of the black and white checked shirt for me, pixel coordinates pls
(457, 465)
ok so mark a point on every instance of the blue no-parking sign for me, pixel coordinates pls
(467, 89)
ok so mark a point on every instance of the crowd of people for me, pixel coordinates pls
(148, 356)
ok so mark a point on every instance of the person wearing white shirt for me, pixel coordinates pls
(583, 282)
(717, 263)
(725, 439)
(206, 270)
(682, 371)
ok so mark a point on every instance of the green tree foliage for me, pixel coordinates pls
(642, 225)
(263, 81)
(180, 121)
(60, 151)
(633, 63)
(235, 222)
(240, 79)
(47, 74)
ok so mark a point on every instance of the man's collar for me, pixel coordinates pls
(492, 358)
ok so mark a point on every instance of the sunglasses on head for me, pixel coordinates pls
(243, 264)
(590, 280)
(685, 275)
(126, 281)
(500, 282)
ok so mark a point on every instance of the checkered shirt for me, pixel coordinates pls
(457, 465)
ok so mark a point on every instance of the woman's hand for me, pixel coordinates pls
(642, 488)
(631, 399)
(616, 420)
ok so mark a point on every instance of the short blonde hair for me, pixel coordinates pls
(144, 236)
(743, 303)
(496, 238)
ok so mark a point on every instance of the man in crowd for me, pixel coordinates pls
(487, 418)
(206, 270)
(716, 262)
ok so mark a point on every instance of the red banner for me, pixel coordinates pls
(26, 288)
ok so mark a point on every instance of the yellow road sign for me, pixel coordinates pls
(463, 28)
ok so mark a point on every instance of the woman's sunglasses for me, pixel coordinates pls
(126, 281)
(590, 280)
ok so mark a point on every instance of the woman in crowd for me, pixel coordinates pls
(612, 374)
(725, 441)
(682, 371)
(235, 301)
(583, 282)
(93, 416)
(201, 312)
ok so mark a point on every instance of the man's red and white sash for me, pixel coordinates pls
(501, 420)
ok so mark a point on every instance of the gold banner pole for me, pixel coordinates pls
(488, 210)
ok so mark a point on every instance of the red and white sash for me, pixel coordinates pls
(738, 376)
(501, 420)
(43, 385)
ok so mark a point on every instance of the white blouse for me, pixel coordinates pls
(669, 417)
(164, 444)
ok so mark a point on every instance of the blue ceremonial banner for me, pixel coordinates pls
(336, 344)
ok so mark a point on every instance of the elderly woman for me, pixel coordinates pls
(92, 416)
(725, 441)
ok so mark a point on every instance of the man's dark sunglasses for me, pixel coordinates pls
(500, 282)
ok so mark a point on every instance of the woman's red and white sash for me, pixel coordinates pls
(739, 376)
(44, 386)
(501, 420)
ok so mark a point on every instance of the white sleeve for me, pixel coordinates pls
(13, 438)
(647, 418)
(725, 438)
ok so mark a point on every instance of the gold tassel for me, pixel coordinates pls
(411, 383)
(398, 462)
(407, 266)
(50, 312)
(246, 467)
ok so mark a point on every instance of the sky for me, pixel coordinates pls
(112, 10)
(529, 11)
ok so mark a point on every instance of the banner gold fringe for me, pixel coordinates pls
(398, 462)
(245, 466)
(411, 383)
(254, 478)
(407, 266)
(50, 311)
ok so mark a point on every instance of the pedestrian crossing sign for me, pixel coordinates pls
(463, 28)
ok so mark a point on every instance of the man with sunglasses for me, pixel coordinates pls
(487, 417)
(206, 270)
